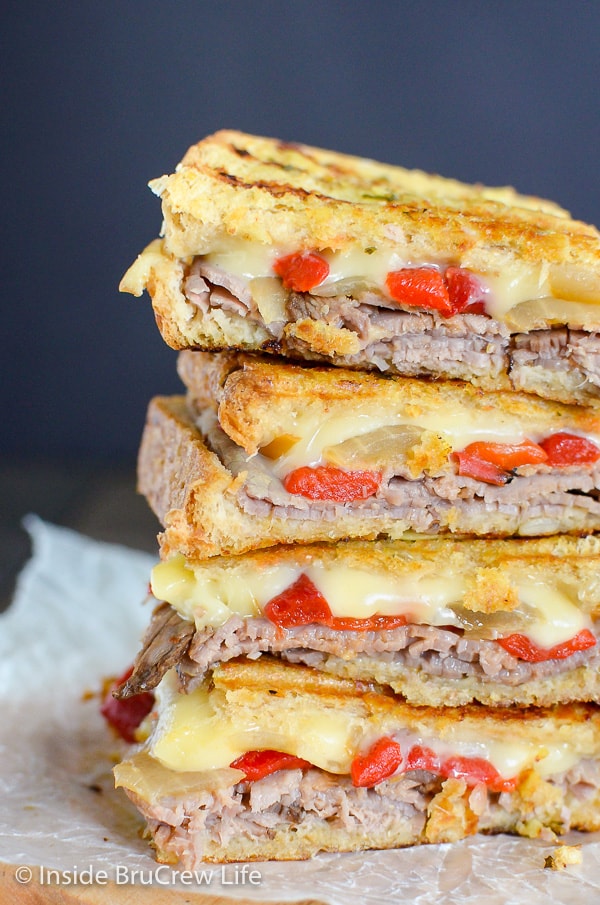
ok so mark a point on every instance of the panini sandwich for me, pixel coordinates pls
(440, 621)
(265, 452)
(377, 608)
(269, 760)
(278, 247)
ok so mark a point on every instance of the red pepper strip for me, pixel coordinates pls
(328, 483)
(300, 604)
(508, 455)
(301, 271)
(303, 604)
(385, 757)
(125, 716)
(520, 646)
(422, 287)
(473, 467)
(490, 462)
(258, 764)
(467, 295)
(371, 624)
(381, 761)
(568, 449)
(475, 770)
(422, 758)
(472, 769)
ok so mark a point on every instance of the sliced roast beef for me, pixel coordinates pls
(305, 800)
(317, 804)
(417, 342)
(431, 650)
(536, 501)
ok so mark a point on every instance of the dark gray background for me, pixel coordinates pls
(101, 97)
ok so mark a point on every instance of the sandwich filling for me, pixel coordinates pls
(495, 472)
(522, 296)
(526, 327)
(411, 620)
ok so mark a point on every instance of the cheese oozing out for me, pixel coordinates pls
(515, 283)
(209, 596)
(198, 732)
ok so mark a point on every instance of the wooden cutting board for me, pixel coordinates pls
(33, 892)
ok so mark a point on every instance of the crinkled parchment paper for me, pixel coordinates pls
(77, 616)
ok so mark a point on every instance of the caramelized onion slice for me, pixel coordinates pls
(270, 298)
(570, 282)
(352, 286)
(399, 447)
(538, 314)
(494, 625)
(152, 782)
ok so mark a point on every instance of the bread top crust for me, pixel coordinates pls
(235, 186)
(259, 399)
(245, 683)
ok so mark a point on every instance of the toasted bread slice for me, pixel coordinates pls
(234, 185)
(511, 296)
(210, 789)
(259, 400)
(441, 621)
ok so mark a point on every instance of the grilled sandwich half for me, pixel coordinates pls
(278, 247)
(440, 621)
(264, 452)
(267, 760)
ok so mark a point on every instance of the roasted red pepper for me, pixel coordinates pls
(258, 764)
(467, 295)
(508, 455)
(384, 758)
(303, 604)
(325, 482)
(125, 716)
(422, 287)
(422, 758)
(380, 762)
(522, 647)
(475, 770)
(473, 467)
(492, 462)
(300, 604)
(456, 291)
(301, 271)
(568, 449)
(370, 624)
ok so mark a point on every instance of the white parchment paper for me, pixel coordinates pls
(77, 616)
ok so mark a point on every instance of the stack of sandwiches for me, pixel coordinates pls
(378, 596)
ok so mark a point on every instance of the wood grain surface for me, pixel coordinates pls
(34, 892)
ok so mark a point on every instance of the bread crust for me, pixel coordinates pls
(293, 196)
(259, 399)
(245, 682)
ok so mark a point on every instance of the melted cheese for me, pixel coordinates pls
(192, 734)
(557, 618)
(211, 598)
(459, 427)
(516, 283)
(196, 733)
(209, 595)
